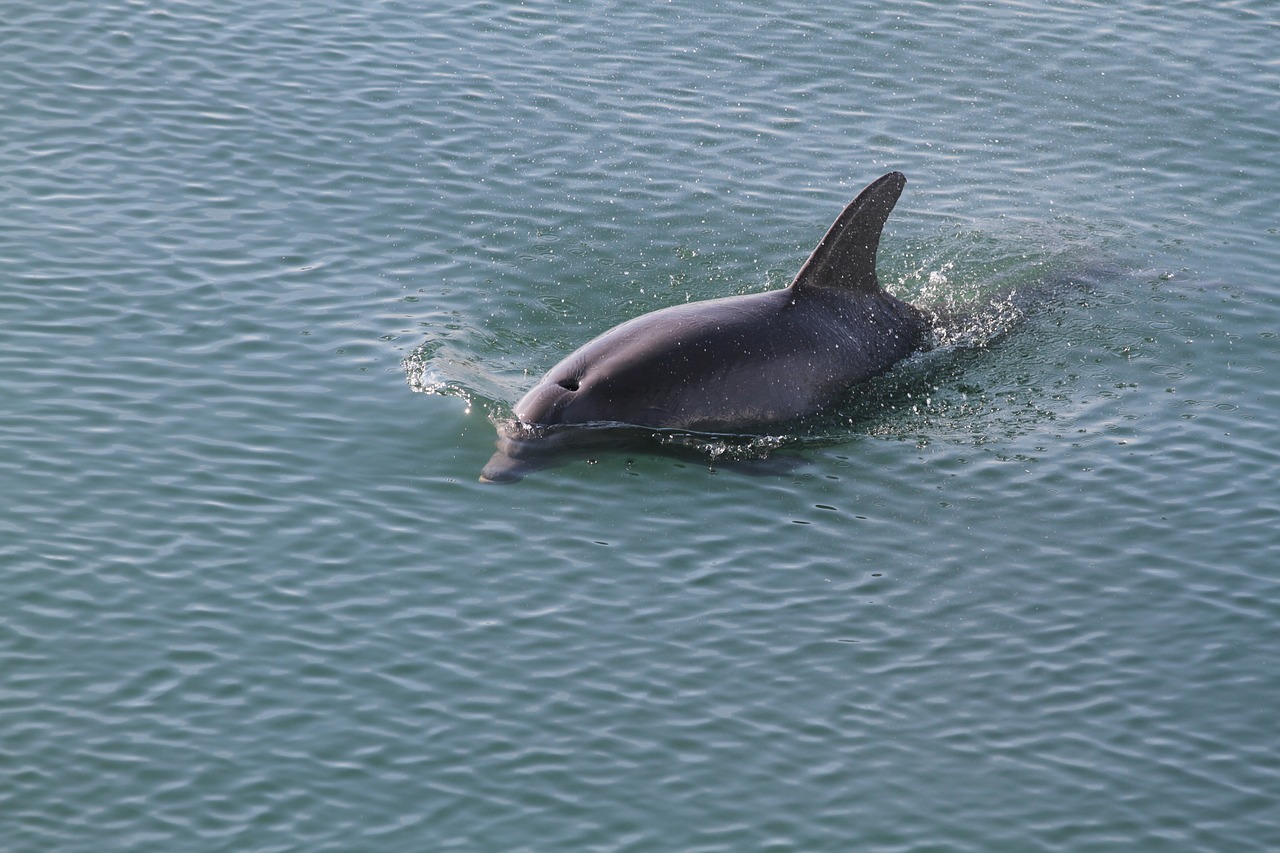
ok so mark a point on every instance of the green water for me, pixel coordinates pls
(268, 271)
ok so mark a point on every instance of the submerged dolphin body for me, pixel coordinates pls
(728, 365)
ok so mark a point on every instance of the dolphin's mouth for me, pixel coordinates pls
(523, 448)
(519, 437)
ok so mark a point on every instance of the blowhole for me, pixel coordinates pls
(568, 384)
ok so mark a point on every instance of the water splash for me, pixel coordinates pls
(425, 375)
(717, 447)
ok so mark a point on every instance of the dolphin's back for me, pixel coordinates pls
(728, 364)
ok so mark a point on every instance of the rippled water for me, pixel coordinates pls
(1020, 595)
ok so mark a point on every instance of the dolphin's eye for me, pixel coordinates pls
(568, 384)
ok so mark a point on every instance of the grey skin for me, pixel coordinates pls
(729, 365)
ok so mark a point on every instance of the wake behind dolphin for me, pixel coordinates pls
(730, 365)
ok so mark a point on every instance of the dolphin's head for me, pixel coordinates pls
(546, 420)
(573, 408)
(549, 402)
(578, 390)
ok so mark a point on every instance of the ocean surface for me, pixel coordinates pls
(270, 272)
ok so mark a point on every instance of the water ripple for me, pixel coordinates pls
(1020, 599)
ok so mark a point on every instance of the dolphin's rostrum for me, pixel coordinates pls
(729, 365)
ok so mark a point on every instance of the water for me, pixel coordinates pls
(1021, 597)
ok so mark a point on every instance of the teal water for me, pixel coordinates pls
(269, 271)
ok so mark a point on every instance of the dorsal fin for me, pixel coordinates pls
(846, 256)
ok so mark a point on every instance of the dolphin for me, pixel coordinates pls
(730, 365)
